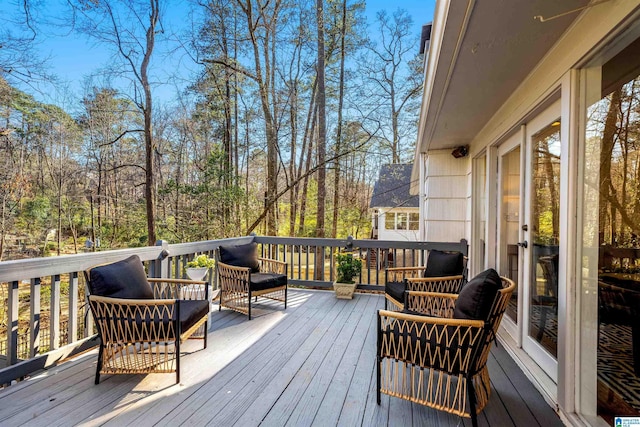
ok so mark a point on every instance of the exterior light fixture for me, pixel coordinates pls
(460, 151)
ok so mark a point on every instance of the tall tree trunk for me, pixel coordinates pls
(306, 140)
(293, 117)
(551, 185)
(322, 135)
(606, 151)
(149, 145)
(336, 176)
(270, 131)
(305, 181)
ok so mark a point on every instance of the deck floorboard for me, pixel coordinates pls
(311, 364)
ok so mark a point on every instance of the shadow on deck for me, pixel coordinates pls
(312, 364)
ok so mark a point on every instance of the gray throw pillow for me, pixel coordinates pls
(441, 264)
(121, 279)
(477, 296)
(241, 256)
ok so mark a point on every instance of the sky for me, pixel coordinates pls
(73, 57)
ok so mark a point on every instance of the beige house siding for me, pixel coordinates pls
(446, 205)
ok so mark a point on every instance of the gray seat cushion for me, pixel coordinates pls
(121, 279)
(395, 290)
(262, 281)
(191, 311)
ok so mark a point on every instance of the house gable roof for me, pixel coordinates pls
(391, 190)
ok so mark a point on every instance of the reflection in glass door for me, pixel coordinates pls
(545, 232)
(610, 287)
(509, 219)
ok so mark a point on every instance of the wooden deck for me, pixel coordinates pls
(312, 364)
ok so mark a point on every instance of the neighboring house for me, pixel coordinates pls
(540, 100)
(395, 213)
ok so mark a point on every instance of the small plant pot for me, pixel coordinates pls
(344, 290)
(197, 273)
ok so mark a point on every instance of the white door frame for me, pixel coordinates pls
(513, 142)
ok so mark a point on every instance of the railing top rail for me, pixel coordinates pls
(461, 245)
(176, 249)
(40, 267)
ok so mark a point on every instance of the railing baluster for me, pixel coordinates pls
(331, 267)
(307, 269)
(88, 318)
(34, 321)
(54, 313)
(12, 323)
(73, 308)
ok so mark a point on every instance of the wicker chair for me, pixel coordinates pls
(441, 362)
(444, 273)
(142, 321)
(242, 275)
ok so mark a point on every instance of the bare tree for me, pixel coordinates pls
(397, 81)
(18, 38)
(131, 28)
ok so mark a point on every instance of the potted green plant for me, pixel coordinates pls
(199, 266)
(347, 267)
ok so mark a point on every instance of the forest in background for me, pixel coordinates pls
(281, 132)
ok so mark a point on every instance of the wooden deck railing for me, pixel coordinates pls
(43, 315)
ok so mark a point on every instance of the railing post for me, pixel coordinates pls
(12, 318)
(160, 267)
(34, 321)
(54, 313)
(464, 247)
(72, 334)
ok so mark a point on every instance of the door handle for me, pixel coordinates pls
(523, 244)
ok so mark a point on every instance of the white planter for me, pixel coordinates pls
(344, 290)
(197, 273)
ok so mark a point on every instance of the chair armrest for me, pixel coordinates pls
(431, 303)
(164, 288)
(398, 274)
(273, 266)
(232, 278)
(447, 284)
(418, 318)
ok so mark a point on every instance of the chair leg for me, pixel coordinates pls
(178, 360)
(378, 381)
(472, 402)
(285, 297)
(178, 332)
(378, 358)
(99, 366)
(206, 332)
(249, 302)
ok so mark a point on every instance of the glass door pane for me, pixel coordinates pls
(509, 167)
(545, 231)
(609, 352)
